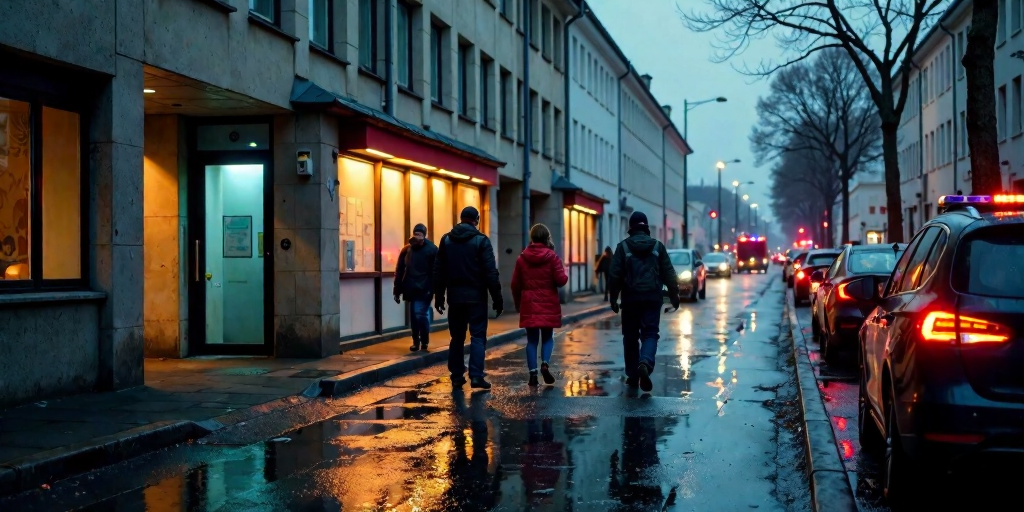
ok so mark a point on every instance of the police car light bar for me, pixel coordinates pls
(1009, 198)
(947, 200)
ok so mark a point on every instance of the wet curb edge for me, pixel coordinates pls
(35, 470)
(830, 487)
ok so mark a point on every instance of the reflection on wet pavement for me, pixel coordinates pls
(704, 439)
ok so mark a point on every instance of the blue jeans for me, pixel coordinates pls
(474, 317)
(640, 334)
(421, 318)
(544, 336)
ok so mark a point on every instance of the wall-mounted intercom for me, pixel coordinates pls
(304, 159)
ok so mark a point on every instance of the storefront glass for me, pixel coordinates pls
(444, 216)
(356, 209)
(580, 248)
(393, 238)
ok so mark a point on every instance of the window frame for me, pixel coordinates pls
(504, 86)
(373, 24)
(329, 44)
(437, 63)
(464, 57)
(275, 6)
(486, 66)
(408, 67)
(37, 100)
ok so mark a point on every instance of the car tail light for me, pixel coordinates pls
(841, 289)
(800, 275)
(942, 326)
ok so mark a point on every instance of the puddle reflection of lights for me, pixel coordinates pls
(847, 448)
(753, 322)
(686, 323)
(734, 377)
(841, 424)
(721, 365)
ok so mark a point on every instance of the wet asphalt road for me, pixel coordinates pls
(718, 432)
(985, 485)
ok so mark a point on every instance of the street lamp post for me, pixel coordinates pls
(721, 167)
(754, 206)
(736, 204)
(687, 106)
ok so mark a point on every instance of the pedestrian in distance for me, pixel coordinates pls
(537, 276)
(465, 270)
(414, 280)
(640, 269)
(601, 268)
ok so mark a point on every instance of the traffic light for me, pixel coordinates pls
(824, 224)
(713, 214)
(801, 231)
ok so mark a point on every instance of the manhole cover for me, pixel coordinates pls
(313, 374)
(240, 371)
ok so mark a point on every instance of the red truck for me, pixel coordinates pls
(752, 253)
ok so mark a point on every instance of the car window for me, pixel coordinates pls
(990, 262)
(715, 258)
(679, 258)
(818, 260)
(901, 267)
(838, 264)
(916, 266)
(933, 258)
(874, 262)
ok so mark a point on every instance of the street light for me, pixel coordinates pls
(687, 106)
(721, 167)
(736, 203)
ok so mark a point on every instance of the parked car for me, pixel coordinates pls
(941, 380)
(792, 266)
(690, 273)
(837, 312)
(818, 259)
(717, 264)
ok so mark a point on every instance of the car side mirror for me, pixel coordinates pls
(817, 276)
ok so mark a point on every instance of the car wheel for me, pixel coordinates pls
(867, 429)
(897, 475)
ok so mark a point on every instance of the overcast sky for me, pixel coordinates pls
(657, 42)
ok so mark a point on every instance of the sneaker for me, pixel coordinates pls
(479, 383)
(645, 377)
(533, 380)
(548, 378)
(632, 382)
(415, 347)
(458, 381)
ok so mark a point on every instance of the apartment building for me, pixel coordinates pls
(933, 151)
(868, 218)
(184, 177)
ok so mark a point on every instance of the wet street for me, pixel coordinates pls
(985, 485)
(718, 432)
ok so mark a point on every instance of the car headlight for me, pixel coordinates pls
(741, 263)
(764, 261)
(723, 266)
(752, 259)
(685, 275)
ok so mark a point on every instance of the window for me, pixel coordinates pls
(521, 133)
(356, 215)
(558, 43)
(949, 141)
(50, 252)
(464, 77)
(1001, 29)
(505, 7)
(368, 34)
(1016, 105)
(545, 127)
(545, 30)
(486, 67)
(581, 63)
(506, 102)
(1015, 16)
(535, 128)
(924, 83)
(1001, 112)
(988, 263)
(403, 44)
(534, 24)
(963, 133)
(961, 42)
(436, 64)
(266, 9)
(912, 273)
(871, 210)
(319, 23)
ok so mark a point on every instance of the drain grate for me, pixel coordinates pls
(240, 371)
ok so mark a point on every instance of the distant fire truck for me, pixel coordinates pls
(752, 253)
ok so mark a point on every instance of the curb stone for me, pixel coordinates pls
(830, 486)
(38, 469)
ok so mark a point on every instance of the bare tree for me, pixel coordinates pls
(820, 106)
(805, 184)
(979, 64)
(879, 36)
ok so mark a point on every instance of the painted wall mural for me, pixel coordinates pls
(15, 182)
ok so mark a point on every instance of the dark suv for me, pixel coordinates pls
(942, 358)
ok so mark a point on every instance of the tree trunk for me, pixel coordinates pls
(893, 196)
(846, 204)
(982, 138)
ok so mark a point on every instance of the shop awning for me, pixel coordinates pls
(573, 196)
(405, 143)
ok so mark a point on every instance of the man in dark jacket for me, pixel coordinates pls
(465, 268)
(414, 279)
(640, 266)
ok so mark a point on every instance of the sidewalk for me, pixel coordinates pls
(186, 399)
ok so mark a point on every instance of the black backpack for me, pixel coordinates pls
(643, 273)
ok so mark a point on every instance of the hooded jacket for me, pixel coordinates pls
(465, 268)
(414, 274)
(535, 282)
(640, 244)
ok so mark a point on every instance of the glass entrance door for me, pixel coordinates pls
(230, 267)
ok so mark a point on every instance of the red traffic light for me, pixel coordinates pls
(713, 214)
(801, 231)
(824, 224)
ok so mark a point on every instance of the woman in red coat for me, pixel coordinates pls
(535, 282)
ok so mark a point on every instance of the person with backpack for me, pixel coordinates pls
(640, 268)
(537, 276)
(414, 275)
(466, 270)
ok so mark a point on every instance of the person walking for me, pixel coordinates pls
(466, 270)
(640, 268)
(414, 277)
(604, 263)
(537, 276)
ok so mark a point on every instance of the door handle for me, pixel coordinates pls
(197, 261)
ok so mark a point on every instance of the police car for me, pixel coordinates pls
(942, 354)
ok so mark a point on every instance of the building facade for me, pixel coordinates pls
(868, 219)
(933, 151)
